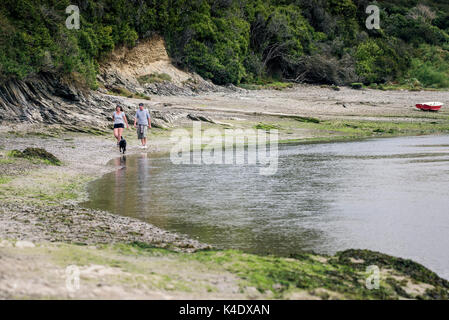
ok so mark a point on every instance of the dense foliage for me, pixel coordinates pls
(235, 41)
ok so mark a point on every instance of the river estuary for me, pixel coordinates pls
(388, 195)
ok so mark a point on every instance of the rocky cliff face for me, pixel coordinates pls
(128, 69)
(45, 98)
(48, 100)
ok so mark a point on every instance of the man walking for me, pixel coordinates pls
(142, 122)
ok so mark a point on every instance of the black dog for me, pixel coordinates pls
(122, 145)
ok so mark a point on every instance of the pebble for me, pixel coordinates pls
(24, 244)
(5, 244)
(252, 292)
(277, 286)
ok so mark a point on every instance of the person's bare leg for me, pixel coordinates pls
(116, 134)
(120, 134)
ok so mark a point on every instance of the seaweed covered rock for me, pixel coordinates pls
(404, 274)
(357, 86)
(36, 153)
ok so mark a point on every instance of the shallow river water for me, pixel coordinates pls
(387, 195)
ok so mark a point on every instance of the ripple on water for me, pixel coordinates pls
(389, 195)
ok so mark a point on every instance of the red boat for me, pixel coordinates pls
(430, 106)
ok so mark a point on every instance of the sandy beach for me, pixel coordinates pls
(39, 202)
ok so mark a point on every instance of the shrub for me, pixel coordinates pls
(154, 78)
(415, 31)
(230, 41)
(431, 69)
(381, 60)
(357, 85)
(325, 68)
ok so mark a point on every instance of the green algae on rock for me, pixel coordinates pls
(36, 153)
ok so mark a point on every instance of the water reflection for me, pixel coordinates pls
(389, 195)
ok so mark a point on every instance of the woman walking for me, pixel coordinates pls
(119, 123)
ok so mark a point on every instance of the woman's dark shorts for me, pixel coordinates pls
(120, 125)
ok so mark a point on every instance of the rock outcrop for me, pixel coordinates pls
(49, 100)
(125, 68)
